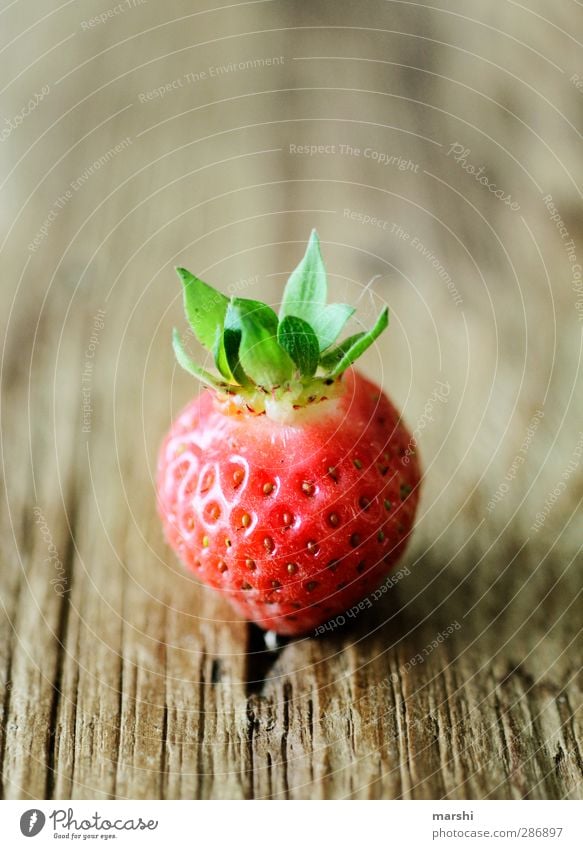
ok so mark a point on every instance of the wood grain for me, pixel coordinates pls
(119, 676)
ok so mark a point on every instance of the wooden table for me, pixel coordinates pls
(119, 676)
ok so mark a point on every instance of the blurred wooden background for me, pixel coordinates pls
(176, 133)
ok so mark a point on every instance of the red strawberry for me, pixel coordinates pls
(290, 485)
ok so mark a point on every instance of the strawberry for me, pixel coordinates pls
(290, 483)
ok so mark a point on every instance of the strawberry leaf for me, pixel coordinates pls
(360, 345)
(260, 355)
(333, 357)
(231, 343)
(189, 365)
(299, 340)
(221, 358)
(205, 308)
(305, 291)
(226, 353)
(328, 323)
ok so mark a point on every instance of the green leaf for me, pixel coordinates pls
(328, 323)
(226, 353)
(254, 350)
(260, 355)
(331, 358)
(299, 340)
(205, 308)
(220, 355)
(360, 345)
(189, 365)
(232, 342)
(305, 291)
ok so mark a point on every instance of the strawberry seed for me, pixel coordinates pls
(213, 511)
(207, 482)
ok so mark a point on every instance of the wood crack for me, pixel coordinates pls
(287, 701)
(164, 739)
(201, 727)
(61, 652)
(569, 723)
(121, 680)
(5, 712)
(251, 722)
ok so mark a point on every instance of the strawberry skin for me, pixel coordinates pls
(295, 521)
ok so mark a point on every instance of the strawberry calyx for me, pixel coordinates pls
(267, 363)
